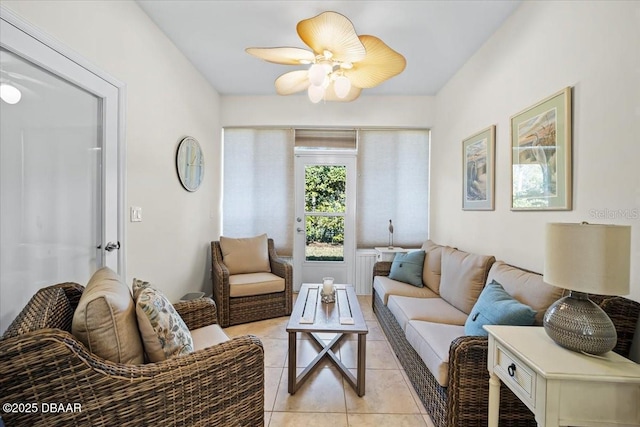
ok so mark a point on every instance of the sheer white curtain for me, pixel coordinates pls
(258, 185)
(393, 183)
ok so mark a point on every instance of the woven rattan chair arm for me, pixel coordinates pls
(279, 266)
(624, 314)
(382, 268)
(197, 313)
(220, 385)
(73, 291)
(468, 377)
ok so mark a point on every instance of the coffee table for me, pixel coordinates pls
(311, 316)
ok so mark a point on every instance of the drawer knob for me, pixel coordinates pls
(512, 370)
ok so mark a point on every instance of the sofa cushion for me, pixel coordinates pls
(242, 285)
(407, 267)
(432, 267)
(385, 287)
(164, 333)
(528, 288)
(463, 276)
(496, 307)
(208, 336)
(105, 319)
(245, 255)
(434, 310)
(432, 342)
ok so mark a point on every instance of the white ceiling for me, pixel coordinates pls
(436, 37)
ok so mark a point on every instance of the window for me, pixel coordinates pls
(258, 185)
(393, 183)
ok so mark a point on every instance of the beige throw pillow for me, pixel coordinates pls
(432, 267)
(463, 276)
(245, 255)
(105, 319)
(164, 333)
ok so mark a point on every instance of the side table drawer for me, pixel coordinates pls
(516, 374)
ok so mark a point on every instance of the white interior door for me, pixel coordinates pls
(324, 226)
(59, 175)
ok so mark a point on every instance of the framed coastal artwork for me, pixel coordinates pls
(478, 170)
(541, 155)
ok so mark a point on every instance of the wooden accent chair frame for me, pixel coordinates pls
(244, 309)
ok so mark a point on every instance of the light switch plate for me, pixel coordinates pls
(136, 214)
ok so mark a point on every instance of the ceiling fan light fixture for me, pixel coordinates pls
(342, 86)
(342, 63)
(317, 74)
(316, 93)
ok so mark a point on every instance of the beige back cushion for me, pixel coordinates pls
(463, 277)
(245, 255)
(432, 267)
(105, 319)
(526, 287)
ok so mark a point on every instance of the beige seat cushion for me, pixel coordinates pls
(432, 342)
(385, 287)
(243, 285)
(105, 319)
(434, 310)
(164, 333)
(432, 267)
(528, 288)
(245, 255)
(208, 336)
(463, 276)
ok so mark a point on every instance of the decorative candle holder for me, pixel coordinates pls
(327, 291)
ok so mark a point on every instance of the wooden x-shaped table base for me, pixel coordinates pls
(327, 351)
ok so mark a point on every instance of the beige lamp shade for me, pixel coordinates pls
(589, 258)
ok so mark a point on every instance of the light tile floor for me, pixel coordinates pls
(326, 399)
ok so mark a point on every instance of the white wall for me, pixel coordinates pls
(542, 48)
(167, 99)
(297, 110)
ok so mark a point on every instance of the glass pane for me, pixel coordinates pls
(325, 238)
(50, 163)
(325, 188)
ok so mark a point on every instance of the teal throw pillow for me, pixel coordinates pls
(407, 268)
(496, 307)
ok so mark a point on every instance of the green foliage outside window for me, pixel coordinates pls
(325, 192)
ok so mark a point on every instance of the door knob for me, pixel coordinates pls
(112, 246)
(299, 230)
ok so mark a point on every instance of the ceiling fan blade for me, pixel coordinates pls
(330, 94)
(292, 82)
(282, 55)
(333, 32)
(380, 64)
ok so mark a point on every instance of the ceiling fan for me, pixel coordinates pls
(341, 62)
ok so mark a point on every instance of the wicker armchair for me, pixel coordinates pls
(244, 309)
(42, 363)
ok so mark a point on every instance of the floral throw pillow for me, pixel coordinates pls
(164, 333)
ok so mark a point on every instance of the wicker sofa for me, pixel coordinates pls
(41, 362)
(463, 400)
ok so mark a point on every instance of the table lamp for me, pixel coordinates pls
(585, 258)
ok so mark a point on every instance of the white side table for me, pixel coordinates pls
(561, 387)
(387, 254)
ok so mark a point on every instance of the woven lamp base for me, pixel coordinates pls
(577, 323)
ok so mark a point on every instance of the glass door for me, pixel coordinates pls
(324, 242)
(59, 176)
